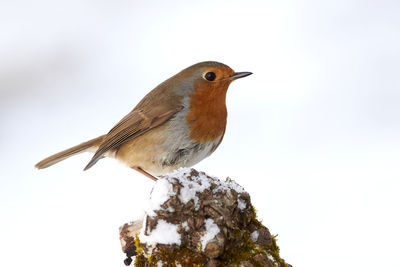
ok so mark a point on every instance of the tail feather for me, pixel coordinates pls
(86, 146)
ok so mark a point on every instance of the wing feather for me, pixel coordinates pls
(136, 123)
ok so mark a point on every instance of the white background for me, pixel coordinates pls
(313, 134)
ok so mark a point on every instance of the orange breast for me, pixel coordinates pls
(207, 112)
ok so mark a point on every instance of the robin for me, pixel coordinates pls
(177, 124)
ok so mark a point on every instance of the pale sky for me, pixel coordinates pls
(313, 135)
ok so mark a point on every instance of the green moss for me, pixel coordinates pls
(170, 255)
(248, 251)
(235, 254)
(139, 258)
(254, 211)
(273, 250)
(181, 255)
(139, 249)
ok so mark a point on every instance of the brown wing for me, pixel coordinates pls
(136, 123)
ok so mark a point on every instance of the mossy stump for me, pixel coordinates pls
(197, 220)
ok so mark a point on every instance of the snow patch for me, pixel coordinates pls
(226, 185)
(160, 193)
(185, 226)
(190, 187)
(241, 204)
(197, 184)
(270, 257)
(211, 231)
(254, 236)
(164, 233)
(170, 209)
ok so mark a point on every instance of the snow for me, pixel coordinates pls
(167, 233)
(211, 231)
(170, 209)
(185, 226)
(161, 192)
(200, 183)
(254, 236)
(241, 204)
(164, 233)
(191, 188)
(270, 257)
(226, 185)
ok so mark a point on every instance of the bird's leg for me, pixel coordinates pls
(148, 175)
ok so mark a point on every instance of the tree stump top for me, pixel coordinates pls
(193, 219)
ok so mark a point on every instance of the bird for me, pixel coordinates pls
(177, 124)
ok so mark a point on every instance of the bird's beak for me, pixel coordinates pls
(238, 75)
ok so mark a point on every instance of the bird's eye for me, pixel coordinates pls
(210, 76)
